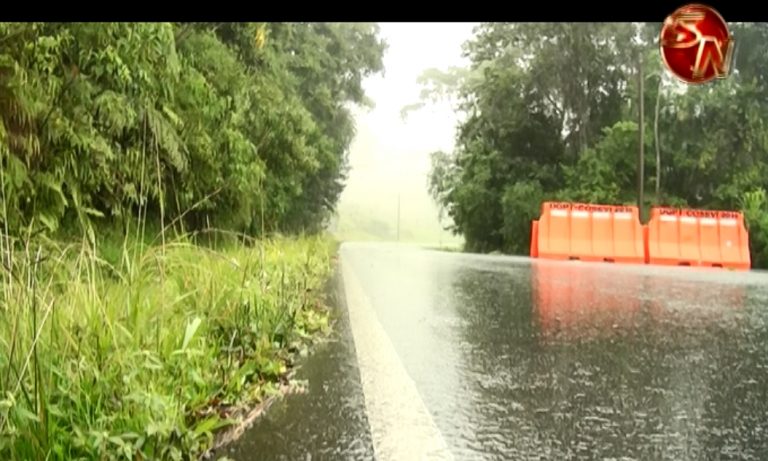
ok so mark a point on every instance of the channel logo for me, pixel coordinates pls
(696, 45)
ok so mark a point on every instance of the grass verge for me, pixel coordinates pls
(148, 352)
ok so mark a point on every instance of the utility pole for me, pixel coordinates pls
(656, 139)
(440, 232)
(641, 152)
(399, 190)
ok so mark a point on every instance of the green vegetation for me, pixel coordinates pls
(134, 341)
(148, 357)
(551, 113)
(240, 126)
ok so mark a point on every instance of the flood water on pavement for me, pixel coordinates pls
(521, 359)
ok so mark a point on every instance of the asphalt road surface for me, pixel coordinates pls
(453, 356)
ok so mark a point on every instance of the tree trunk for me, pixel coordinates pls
(641, 151)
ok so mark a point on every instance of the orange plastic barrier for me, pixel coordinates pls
(554, 228)
(535, 239)
(589, 233)
(698, 238)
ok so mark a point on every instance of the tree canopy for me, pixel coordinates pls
(244, 126)
(551, 113)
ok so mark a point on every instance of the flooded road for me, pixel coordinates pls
(517, 359)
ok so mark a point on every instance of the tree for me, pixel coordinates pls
(243, 126)
(551, 113)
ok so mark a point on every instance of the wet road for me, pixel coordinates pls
(452, 356)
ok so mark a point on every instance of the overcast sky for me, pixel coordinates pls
(390, 154)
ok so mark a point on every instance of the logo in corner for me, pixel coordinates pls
(696, 45)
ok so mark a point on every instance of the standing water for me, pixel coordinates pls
(521, 359)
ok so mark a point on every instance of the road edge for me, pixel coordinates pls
(400, 424)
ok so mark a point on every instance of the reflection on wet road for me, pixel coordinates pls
(520, 359)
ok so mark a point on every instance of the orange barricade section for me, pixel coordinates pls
(688, 240)
(535, 239)
(662, 236)
(589, 233)
(603, 242)
(679, 237)
(698, 238)
(629, 245)
(554, 228)
(734, 241)
(710, 252)
(581, 232)
(645, 244)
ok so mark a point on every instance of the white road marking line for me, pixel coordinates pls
(401, 426)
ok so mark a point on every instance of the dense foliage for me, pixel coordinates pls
(551, 113)
(119, 342)
(244, 126)
(155, 354)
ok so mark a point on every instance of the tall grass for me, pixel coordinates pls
(140, 352)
